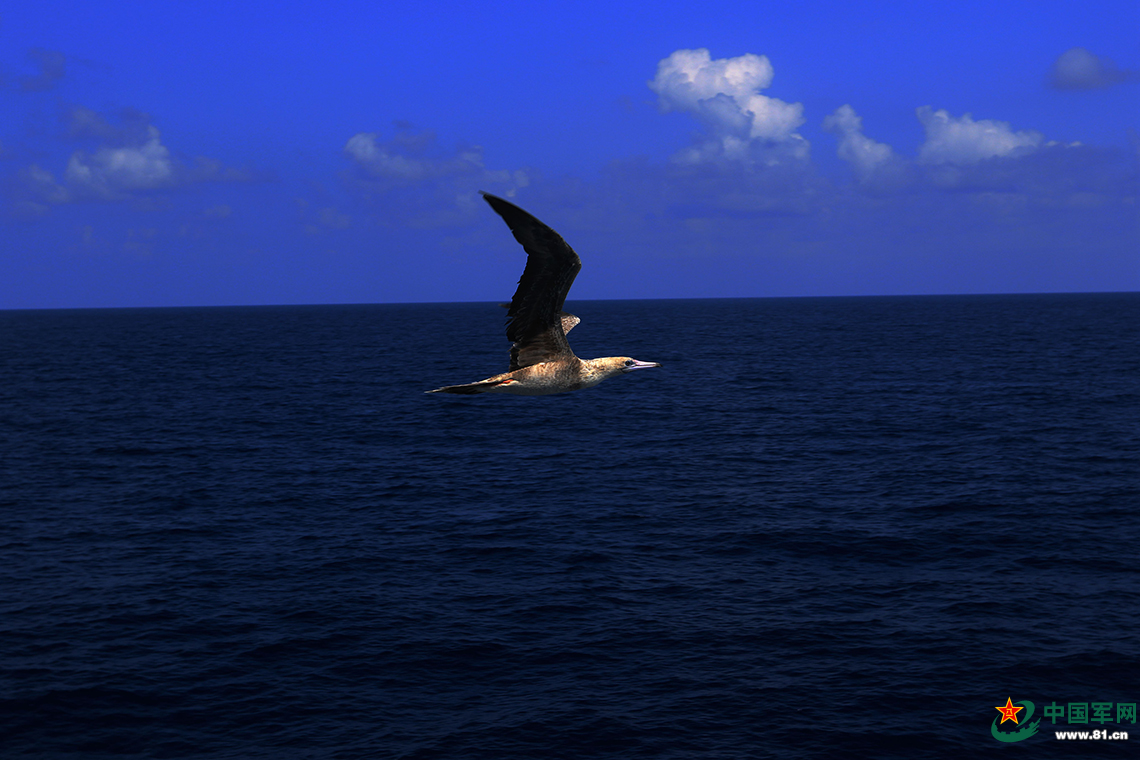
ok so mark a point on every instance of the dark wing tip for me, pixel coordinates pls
(512, 214)
(534, 235)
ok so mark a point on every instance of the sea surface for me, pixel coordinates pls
(824, 528)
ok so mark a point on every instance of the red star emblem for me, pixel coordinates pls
(1009, 712)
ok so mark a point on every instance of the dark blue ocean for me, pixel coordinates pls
(825, 528)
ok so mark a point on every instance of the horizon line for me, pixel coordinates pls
(575, 300)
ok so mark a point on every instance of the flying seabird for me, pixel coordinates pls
(542, 362)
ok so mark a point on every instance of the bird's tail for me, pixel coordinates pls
(483, 386)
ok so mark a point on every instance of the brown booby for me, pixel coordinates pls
(542, 362)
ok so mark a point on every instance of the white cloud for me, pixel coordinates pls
(724, 94)
(863, 153)
(1081, 69)
(424, 177)
(112, 172)
(129, 161)
(963, 141)
(391, 161)
(406, 160)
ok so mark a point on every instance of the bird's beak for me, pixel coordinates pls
(640, 365)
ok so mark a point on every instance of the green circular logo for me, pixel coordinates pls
(1024, 729)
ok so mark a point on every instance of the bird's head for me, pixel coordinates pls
(629, 365)
(610, 366)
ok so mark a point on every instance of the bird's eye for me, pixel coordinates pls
(629, 362)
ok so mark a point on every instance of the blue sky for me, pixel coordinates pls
(205, 153)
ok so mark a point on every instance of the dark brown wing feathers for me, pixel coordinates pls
(569, 321)
(535, 321)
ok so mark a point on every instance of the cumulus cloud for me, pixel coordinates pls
(1055, 175)
(425, 176)
(408, 159)
(863, 153)
(112, 173)
(724, 95)
(983, 158)
(52, 67)
(961, 141)
(392, 160)
(1081, 69)
(123, 160)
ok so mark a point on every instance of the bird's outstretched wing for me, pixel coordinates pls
(535, 319)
